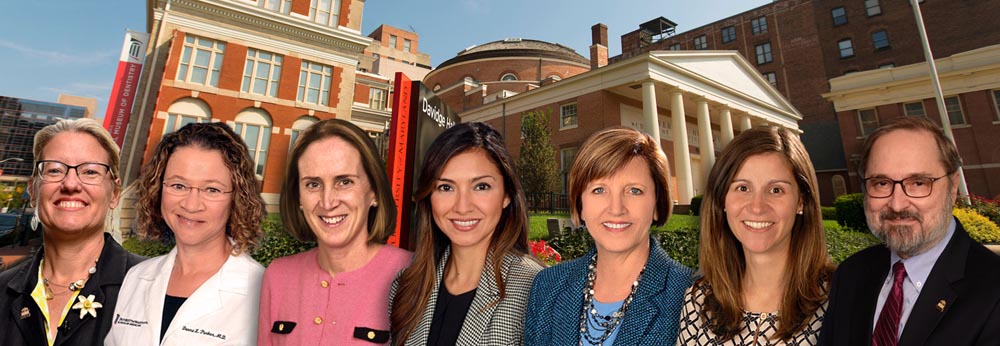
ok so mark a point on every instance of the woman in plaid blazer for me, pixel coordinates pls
(471, 273)
(626, 291)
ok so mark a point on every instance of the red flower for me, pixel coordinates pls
(544, 252)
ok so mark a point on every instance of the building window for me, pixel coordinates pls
(914, 109)
(839, 185)
(675, 46)
(406, 44)
(759, 25)
(325, 12)
(566, 157)
(700, 42)
(954, 108)
(567, 116)
(846, 48)
(314, 83)
(201, 61)
(186, 111)
(839, 15)
(880, 39)
(254, 126)
(728, 34)
(867, 121)
(392, 41)
(280, 6)
(763, 53)
(996, 104)
(771, 78)
(262, 73)
(377, 98)
(300, 124)
(872, 8)
(508, 77)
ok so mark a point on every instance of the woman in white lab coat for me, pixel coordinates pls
(199, 190)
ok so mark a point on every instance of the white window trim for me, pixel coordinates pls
(214, 67)
(271, 81)
(325, 73)
(861, 122)
(333, 13)
(576, 115)
(961, 112)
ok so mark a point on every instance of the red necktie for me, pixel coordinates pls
(887, 327)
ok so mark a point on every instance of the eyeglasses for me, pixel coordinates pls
(90, 173)
(208, 193)
(914, 187)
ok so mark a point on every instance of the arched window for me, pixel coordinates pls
(300, 124)
(839, 186)
(254, 126)
(186, 111)
(508, 77)
(437, 87)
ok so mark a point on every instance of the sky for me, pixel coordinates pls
(52, 47)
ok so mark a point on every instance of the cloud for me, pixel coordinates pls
(56, 57)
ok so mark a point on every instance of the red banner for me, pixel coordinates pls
(125, 85)
(400, 171)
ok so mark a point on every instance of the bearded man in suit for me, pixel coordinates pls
(928, 283)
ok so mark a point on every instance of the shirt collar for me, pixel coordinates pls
(918, 267)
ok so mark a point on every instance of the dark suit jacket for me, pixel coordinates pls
(966, 277)
(556, 303)
(17, 283)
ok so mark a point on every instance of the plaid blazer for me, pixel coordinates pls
(556, 303)
(485, 324)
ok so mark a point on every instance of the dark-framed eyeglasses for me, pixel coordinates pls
(90, 173)
(913, 187)
(209, 193)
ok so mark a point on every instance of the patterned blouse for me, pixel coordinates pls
(757, 328)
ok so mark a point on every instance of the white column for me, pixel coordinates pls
(682, 155)
(726, 125)
(649, 113)
(705, 144)
(745, 122)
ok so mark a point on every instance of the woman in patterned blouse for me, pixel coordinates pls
(762, 253)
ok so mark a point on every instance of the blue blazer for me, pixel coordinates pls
(556, 302)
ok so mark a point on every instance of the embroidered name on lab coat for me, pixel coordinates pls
(219, 336)
(119, 320)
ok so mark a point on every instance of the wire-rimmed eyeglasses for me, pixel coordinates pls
(913, 187)
(209, 193)
(90, 173)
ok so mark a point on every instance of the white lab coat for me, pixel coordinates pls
(223, 311)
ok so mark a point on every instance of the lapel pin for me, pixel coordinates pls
(941, 304)
(25, 313)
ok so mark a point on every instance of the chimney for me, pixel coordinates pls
(599, 47)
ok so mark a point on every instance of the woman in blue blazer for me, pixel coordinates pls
(625, 291)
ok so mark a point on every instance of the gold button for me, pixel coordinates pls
(324, 283)
(371, 335)
(281, 327)
(318, 320)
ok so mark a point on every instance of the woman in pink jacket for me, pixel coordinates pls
(336, 193)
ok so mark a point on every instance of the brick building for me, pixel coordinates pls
(970, 82)
(666, 94)
(267, 68)
(800, 45)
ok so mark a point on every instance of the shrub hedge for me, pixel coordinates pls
(696, 204)
(980, 228)
(851, 211)
(829, 213)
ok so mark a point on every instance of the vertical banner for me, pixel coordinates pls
(418, 117)
(126, 84)
(399, 170)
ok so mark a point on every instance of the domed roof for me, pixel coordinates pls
(516, 47)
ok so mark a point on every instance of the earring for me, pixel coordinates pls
(34, 221)
(799, 212)
(375, 204)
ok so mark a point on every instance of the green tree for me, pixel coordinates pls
(537, 162)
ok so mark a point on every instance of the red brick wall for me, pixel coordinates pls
(233, 61)
(300, 7)
(526, 69)
(289, 83)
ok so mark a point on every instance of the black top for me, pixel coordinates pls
(170, 306)
(449, 315)
(22, 322)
